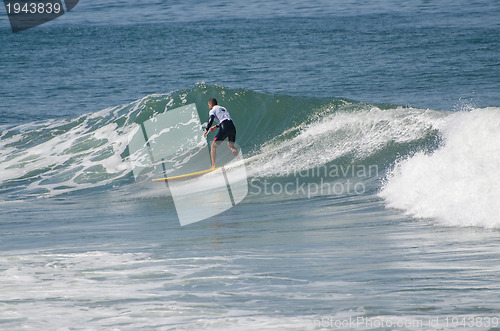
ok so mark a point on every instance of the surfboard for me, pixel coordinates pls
(185, 176)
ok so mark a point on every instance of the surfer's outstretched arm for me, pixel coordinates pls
(212, 118)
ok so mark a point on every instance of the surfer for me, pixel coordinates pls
(226, 129)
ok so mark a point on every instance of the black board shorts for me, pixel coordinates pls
(226, 130)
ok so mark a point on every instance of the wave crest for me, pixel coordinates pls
(458, 183)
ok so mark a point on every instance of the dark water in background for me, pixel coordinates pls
(410, 89)
(424, 55)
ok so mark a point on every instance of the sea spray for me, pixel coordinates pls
(458, 183)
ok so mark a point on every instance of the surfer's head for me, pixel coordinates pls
(212, 102)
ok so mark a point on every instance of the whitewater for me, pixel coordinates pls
(457, 184)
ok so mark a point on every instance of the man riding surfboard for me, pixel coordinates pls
(226, 129)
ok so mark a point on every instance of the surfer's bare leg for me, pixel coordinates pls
(213, 152)
(233, 149)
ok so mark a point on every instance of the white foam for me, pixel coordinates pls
(69, 158)
(458, 184)
(72, 154)
(102, 290)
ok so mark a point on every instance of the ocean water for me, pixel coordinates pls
(371, 135)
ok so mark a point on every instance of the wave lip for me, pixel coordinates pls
(457, 184)
(356, 133)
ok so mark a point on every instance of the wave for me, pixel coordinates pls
(90, 151)
(431, 166)
(457, 184)
(59, 156)
(341, 135)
